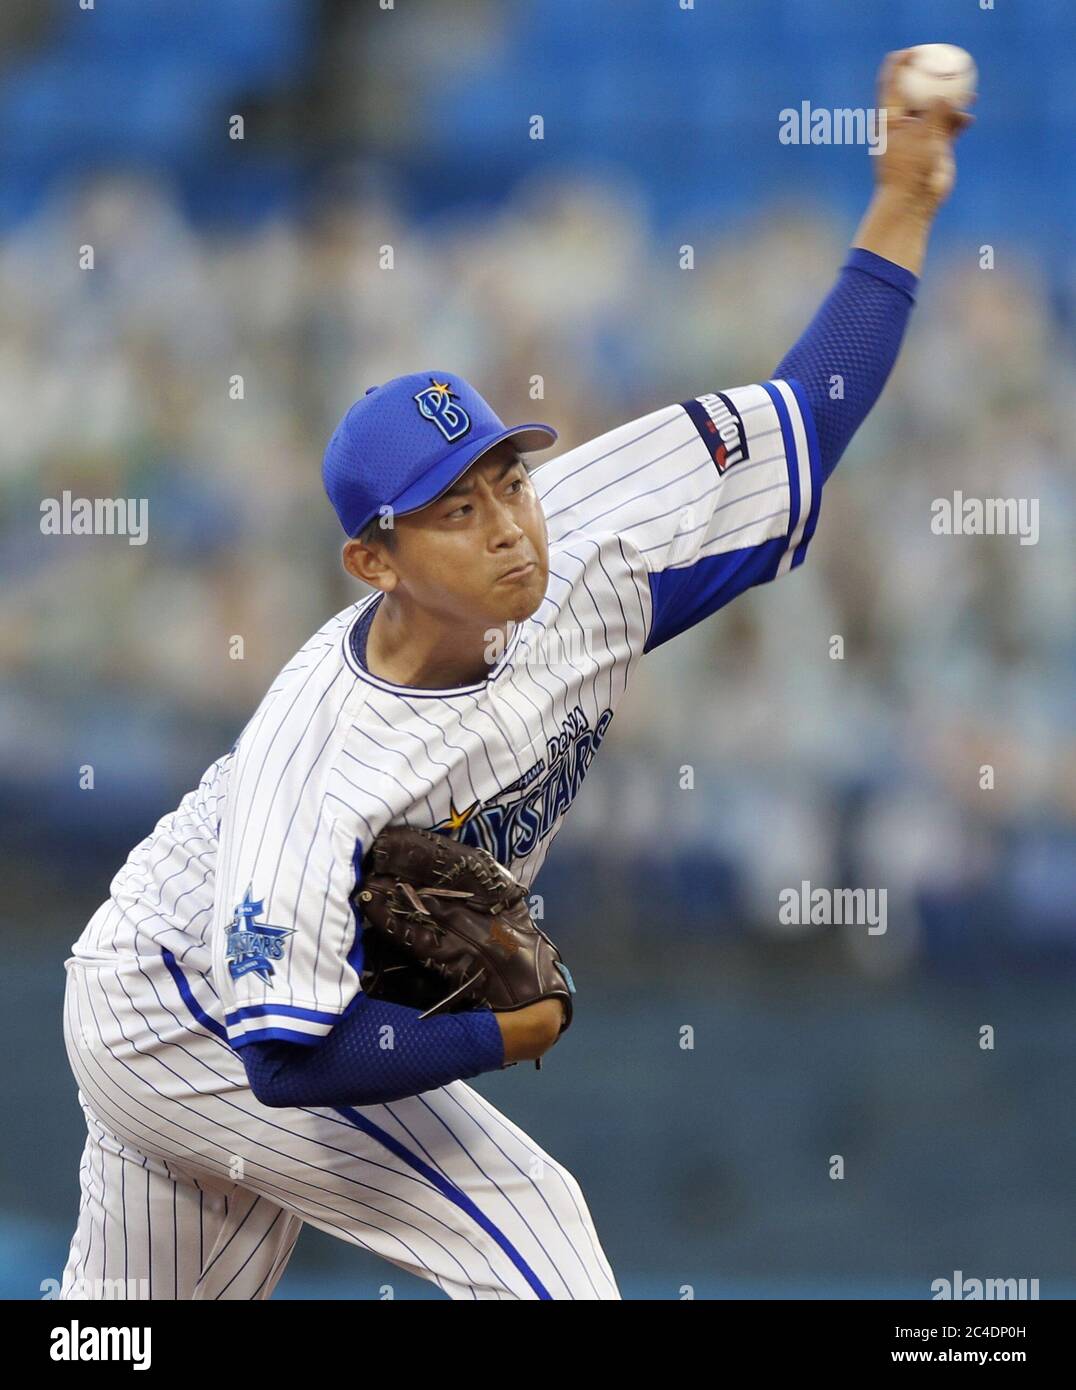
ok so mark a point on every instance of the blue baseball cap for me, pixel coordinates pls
(406, 442)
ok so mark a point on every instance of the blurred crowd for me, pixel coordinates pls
(204, 372)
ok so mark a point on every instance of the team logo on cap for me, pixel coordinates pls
(252, 946)
(437, 402)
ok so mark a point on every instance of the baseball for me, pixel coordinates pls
(938, 70)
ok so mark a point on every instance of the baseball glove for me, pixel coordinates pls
(448, 928)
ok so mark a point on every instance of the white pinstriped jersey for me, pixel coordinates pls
(652, 526)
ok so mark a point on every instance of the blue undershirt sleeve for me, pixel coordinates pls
(845, 355)
(355, 1066)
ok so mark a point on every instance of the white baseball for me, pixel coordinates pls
(938, 70)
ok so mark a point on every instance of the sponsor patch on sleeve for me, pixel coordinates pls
(720, 428)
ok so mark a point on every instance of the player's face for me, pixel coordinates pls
(479, 553)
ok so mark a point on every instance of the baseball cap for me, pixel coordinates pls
(404, 443)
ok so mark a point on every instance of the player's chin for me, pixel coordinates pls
(517, 599)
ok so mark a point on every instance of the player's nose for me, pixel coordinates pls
(504, 528)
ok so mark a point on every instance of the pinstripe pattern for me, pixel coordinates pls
(644, 531)
(149, 1231)
(232, 1181)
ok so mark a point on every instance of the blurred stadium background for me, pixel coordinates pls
(260, 257)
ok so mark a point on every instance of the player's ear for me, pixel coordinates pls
(370, 563)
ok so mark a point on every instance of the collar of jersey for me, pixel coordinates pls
(417, 692)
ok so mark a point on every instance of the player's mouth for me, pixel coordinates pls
(520, 572)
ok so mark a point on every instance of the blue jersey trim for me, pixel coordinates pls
(792, 462)
(188, 998)
(449, 1190)
(280, 1011)
(356, 957)
(814, 458)
(288, 1035)
(682, 597)
(354, 664)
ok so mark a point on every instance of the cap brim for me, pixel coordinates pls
(441, 477)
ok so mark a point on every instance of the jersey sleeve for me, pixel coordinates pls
(717, 494)
(287, 943)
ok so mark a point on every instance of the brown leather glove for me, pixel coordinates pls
(448, 928)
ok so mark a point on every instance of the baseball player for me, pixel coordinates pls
(236, 1079)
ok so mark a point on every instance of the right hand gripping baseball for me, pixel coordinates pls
(454, 927)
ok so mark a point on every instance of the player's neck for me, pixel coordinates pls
(408, 646)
